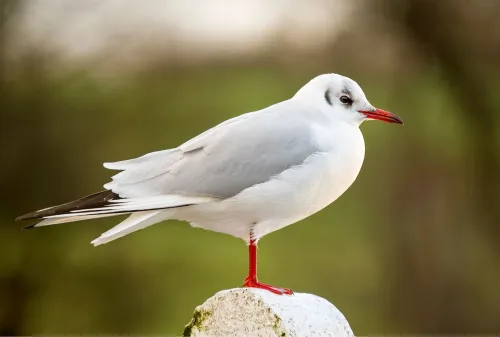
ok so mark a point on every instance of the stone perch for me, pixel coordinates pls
(257, 312)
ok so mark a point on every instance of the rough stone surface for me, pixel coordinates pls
(256, 312)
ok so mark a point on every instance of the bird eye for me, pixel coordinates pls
(345, 100)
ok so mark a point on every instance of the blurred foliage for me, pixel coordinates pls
(412, 247)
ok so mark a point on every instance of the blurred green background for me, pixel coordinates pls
(411, 247)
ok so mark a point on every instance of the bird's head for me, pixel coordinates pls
(344, 99)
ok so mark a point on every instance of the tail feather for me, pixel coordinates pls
(59, 220)
(133, 223)
(144, 212)
(107, 203)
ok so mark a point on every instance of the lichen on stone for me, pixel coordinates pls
(196, 323)
(277, 327)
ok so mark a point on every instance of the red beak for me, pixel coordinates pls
(382, 115)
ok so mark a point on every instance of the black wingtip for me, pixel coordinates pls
(29, 226)
(24, 217)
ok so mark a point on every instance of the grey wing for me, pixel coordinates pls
(223, 161)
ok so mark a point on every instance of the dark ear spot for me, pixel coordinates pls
(327, 97)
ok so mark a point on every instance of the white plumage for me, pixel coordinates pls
(250, 175)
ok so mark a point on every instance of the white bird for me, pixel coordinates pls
(248, 176)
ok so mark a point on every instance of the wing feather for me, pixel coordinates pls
(223, 161)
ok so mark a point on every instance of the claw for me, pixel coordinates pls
(253, 283)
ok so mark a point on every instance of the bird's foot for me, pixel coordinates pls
(253, 283)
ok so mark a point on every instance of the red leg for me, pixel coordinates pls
(251, 280)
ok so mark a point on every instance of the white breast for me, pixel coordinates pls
(336, 168)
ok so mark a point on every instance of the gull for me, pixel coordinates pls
(247, 177)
